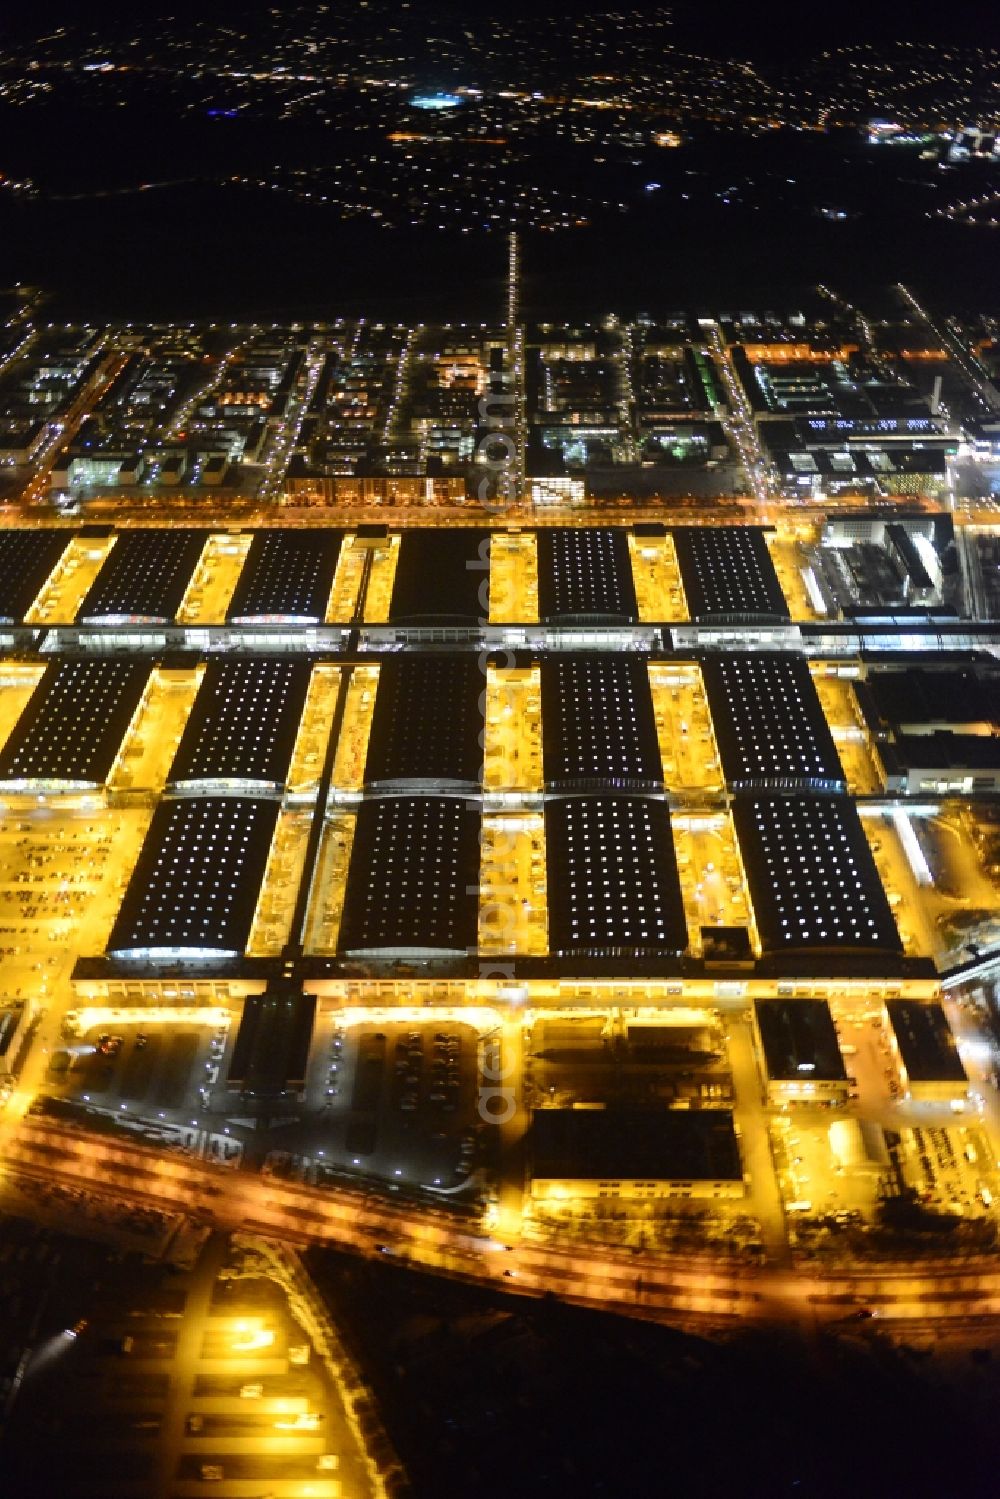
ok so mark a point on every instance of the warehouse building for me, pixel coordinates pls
(287, 578)
(427, 724)
(27, 558)
(769, 725)
(613, 887)
(812, 878)
(598, 728)
(798, 1046)
(72, 727)
(144, 578)
(728, 575)
(442, 578)
(633, 1153)
(925, 1052)
(241, 730)
(196, 883)
(413, 879)
(585, 576)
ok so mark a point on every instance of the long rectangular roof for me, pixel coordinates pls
(26, 560)
(585, 572)
(799, 1040)
(442, 577)
(769, 724)
(813, 881)
(272, 1043)
(634, 1145)
(411, 885)
(926, 1042)
(598, 728)
(244, 721)
(952, 695)
(144, 576)
(287, 576)
(428, 720)
(74, 722)
(196, 882)
(728, 574)
(613, 888)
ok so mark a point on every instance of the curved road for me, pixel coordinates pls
(663, 1288)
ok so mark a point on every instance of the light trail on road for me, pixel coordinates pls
(663, 1288)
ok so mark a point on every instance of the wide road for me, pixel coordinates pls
(677, 1289)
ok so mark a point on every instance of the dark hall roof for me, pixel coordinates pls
(442, 577)
(633, 1145)
(74, 722)
(26, 560)
(197, 880)
(144, 577)
(769, 725)
(598, 728)
(244, 721)
(613, 888)
(428, 720)
(287, 575)
(412, 881)
(585, 572)
(813, 881)
(727, 573)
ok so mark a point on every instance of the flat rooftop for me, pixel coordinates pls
(26, 560)
(144, 577)
(728, 574)
(196, 883)
(633, 1145)
(926, 1044)
(428, 721)
(244, 722)
(799, 1040)
(413, 876)
(917, 697)
(812, 877)
(769, 725)
(74, 722)
(585, 573)
(287, 577)
(272, 1043)
(598, 728)
(442, 577)
(613, 888)
(972, 753)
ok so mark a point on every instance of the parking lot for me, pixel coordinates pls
(381, 579)
(810, 1179)
(170, 1072)
(147, 753)
(840, 708)
(397, 1100)
(326, 901)
(352, 746)
(63, 870)
(191, 1381)
(68, 585)
(211, 588)
(951, 1169)
(279, 888)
